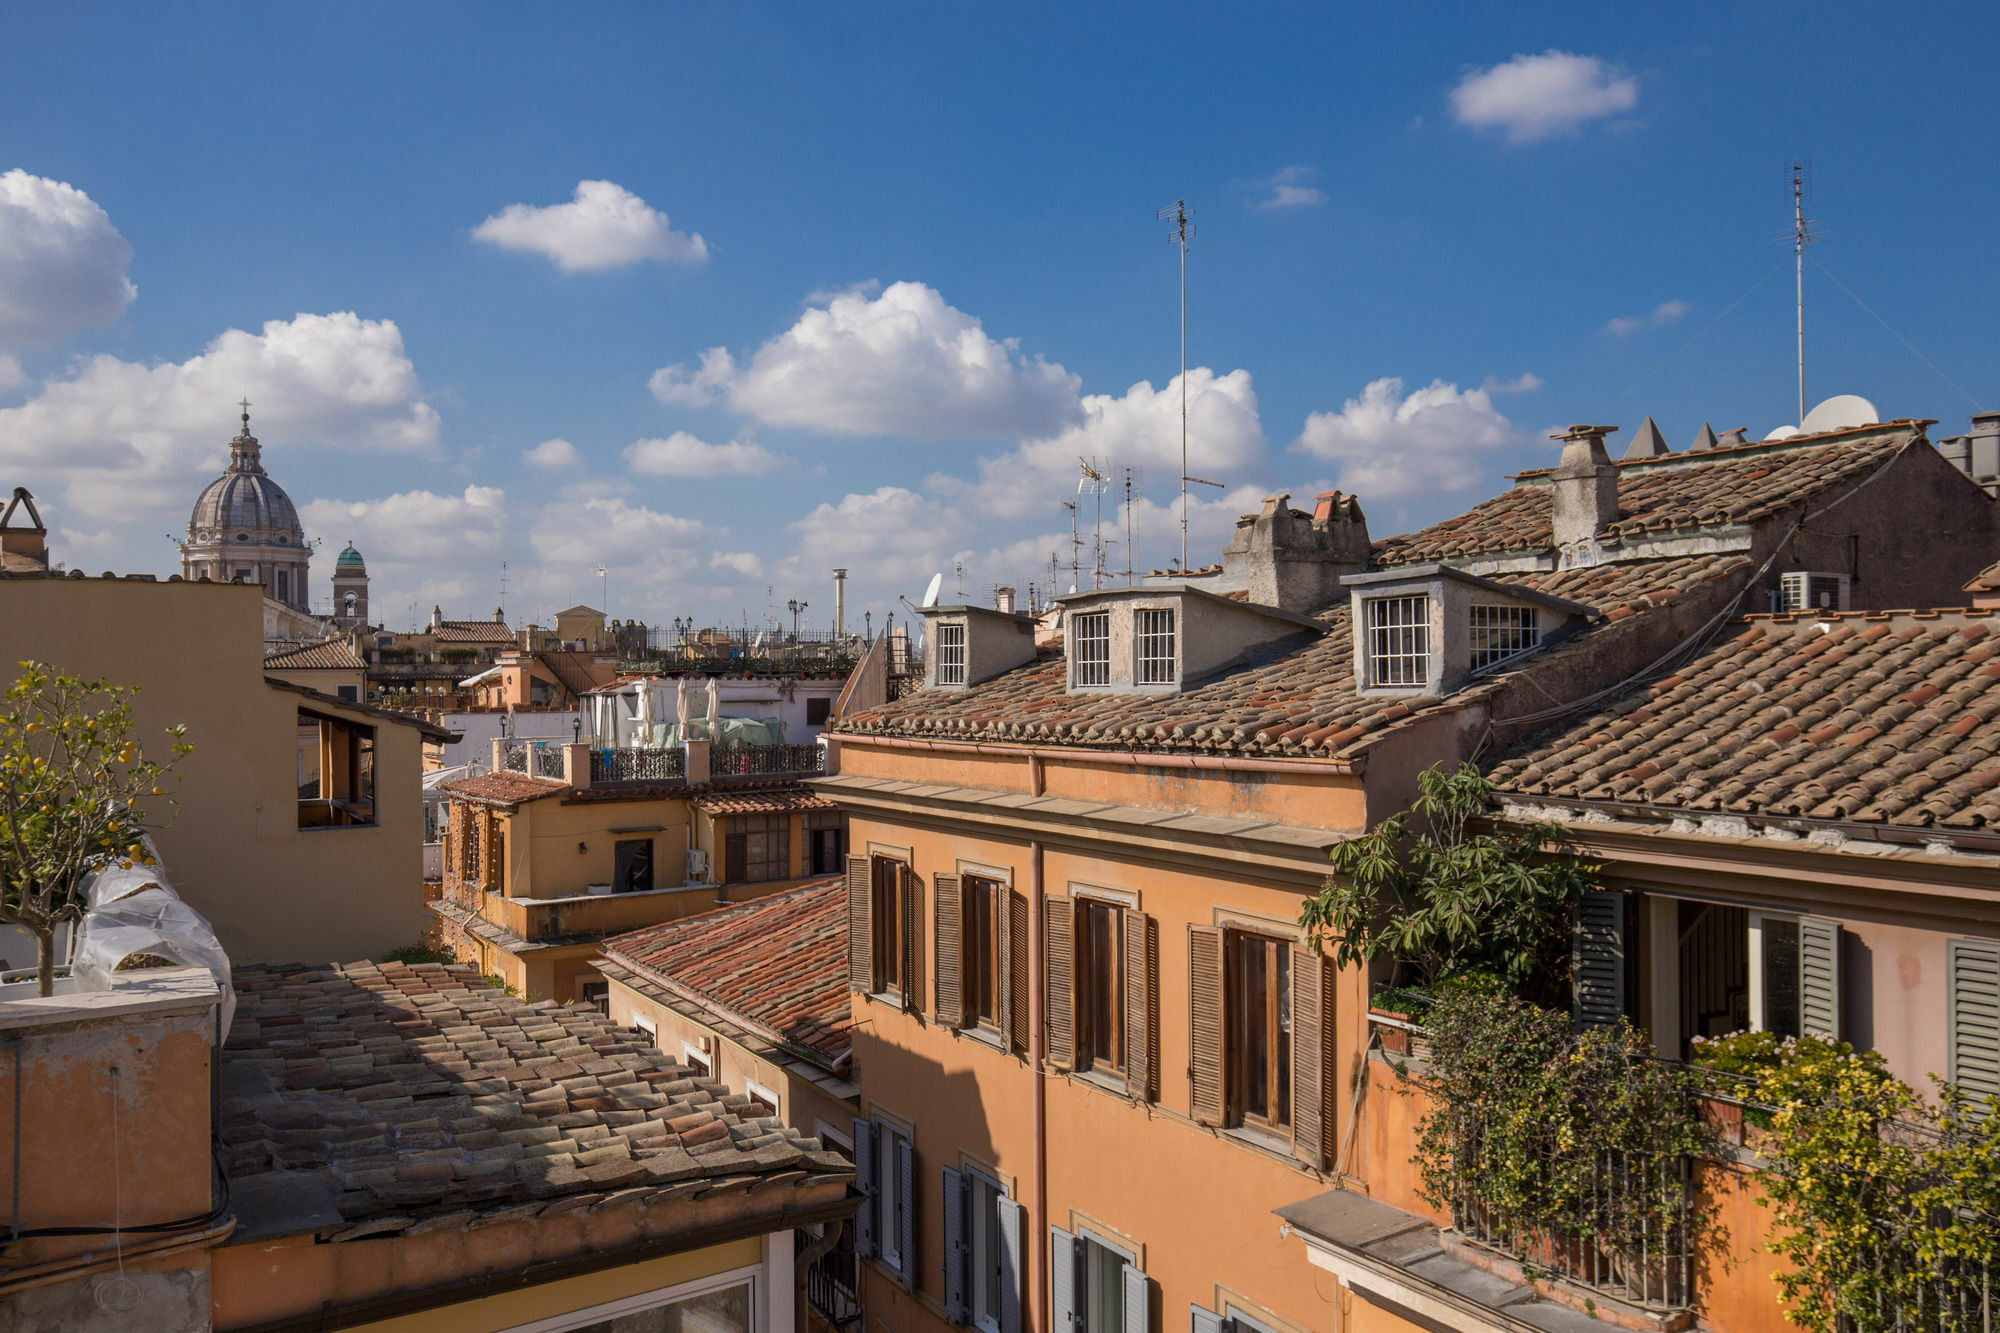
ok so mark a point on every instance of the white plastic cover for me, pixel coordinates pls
(137, 911)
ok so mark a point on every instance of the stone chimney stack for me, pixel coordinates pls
(1294, 560)
(1586, 494)
(1003, 600)
(29, 543)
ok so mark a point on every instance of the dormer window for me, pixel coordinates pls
(1156, 647)
(1501, 632)
(951, 654)
(1090, 648)
(1399, 641)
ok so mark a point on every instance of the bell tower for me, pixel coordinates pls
(350, 589)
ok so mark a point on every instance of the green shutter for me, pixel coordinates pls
(1972, 983)
(1819, 977)
(1597, 958)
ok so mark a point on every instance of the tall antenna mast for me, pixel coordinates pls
(1075, 547)
(1182, 234)
(1802, 236)
(1093, 483)
(1131, 533)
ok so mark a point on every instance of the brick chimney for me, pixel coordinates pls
(1294, 560)
(1586, 494)
(30, 543)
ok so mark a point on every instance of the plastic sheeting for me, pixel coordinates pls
(137, 911)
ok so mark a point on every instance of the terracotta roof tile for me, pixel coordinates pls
(727, 802)
(1891, 718)
(505, 788)
(473, 631)
(1986, 580)
(334, 654)
(428, 1099)
(778, 963)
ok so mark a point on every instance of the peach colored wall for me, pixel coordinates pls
(1894, 998)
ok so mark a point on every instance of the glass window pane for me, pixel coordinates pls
(724, 1311)
(1104, 1299)
(1781, 976)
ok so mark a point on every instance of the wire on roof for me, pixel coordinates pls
(1977, 406)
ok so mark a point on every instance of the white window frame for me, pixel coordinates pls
(1382, 646)
(653, 1300)
(1092, 1236)
(826, 1133)
(1090, 672)
(1756, 951)
(951, 656)
(1156, 666)
(889, 1197)
(984, 1237)
(1510, 631)
(693, 1054)
(763, 1094)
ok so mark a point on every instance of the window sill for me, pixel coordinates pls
(986, 1037)
(1263, 1140)
(1104, 1083)
(335, 828)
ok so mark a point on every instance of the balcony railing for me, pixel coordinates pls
(514, 756)
(653, 764)
(730, 759)
(832, 1283)
(549, 760)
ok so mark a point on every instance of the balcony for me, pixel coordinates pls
(730, 759)
(694, 763)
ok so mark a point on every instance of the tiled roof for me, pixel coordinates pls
(504, 788)
(1889, 717)
(425, 1098)
(1655, 495)
(1986, 580)
(1300, 702)
(778, 962)
(728, 802)
(473, 631)
(334, 654)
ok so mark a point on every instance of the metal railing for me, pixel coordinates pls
(549, 759)
(1960, 1296)
(666, 763)
(514, 756)
(833, 1283)
(733, 759)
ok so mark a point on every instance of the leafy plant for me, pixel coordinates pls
(75, 786)
(1456, 897)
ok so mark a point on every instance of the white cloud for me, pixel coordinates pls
(1141, 429)
(414, 528)
(132, 442)
(673, 384)
(604, 226)
(1666, 312)
(901, 363)
(11, 374)
(889, 536)
(62, 263)
(682, 455)
(745, 563)
(1391, 444)
(1526, 382)
(551, 454)
(1534, 97)
(1287, 188)
(608, 530)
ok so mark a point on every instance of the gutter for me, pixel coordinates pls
(1038, 968)
(1119, 758)
(1855, 829)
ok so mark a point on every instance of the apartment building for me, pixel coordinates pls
(1096, 1056)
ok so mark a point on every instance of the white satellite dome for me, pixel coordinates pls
(1840, 412)
(1783, 433)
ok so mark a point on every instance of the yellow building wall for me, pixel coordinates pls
(326, 680)
(235, 852)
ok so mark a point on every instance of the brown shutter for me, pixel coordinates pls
(1312, 1056)
(1017, 943)
(1142, 1026)
(1059, 986)
(948, 894)
(860, 930)
(1205, 1089)
(913, 940)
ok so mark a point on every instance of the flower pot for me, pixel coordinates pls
(1395, 1038)
(1724, 1117)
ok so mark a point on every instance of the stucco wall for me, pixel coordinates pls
(274, 892)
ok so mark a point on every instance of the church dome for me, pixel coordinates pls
(244, 500)
(350, 562)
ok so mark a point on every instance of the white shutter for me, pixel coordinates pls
(954, 1246)
(1010, 1266)
(1597, 958)
(1065, 1258)
(864, 1181)
(1138, 1301)
(1972, 986)
(1202, 1320)
(906, 1185)
(1819, 977)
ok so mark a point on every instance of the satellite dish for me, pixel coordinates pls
(1838, 413)
(1072, 589)
(931, 593)
(1783, 433)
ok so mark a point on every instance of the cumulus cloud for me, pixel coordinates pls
(605, 226)
(1534, 97)
(1288, 188)
(11, 375)
(551, 454)
(129, 441)
(1391, 444)
(745, 563)
(1666, 312)
(682, 455)
(412, 528)
(893, 534)
(610, 530)
(901, 363)
(62, 264)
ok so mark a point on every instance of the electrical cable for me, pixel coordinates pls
(1977, 406)
(209, 1218)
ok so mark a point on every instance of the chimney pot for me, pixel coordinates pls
(1586, 494)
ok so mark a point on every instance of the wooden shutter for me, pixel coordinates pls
(1059, 986)
(948, 894)
(1205, 1086)
(864, 1183)
(1819, 977)
(1597, 958)
(1065, 1278)
(1972, 987)
(1142, 1005)
(906, 1185)
(1312, 1057)
(1138, 1301)
(913, 939)
(955, 1285)
(860, 927)
(1019, 945)
(1011, 1268)
(735, 858)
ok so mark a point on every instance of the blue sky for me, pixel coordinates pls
(927, 246)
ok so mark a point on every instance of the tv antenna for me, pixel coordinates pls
(958, 575)
(1093, 482)
(1801, 235)
(1132, 476)
(1183, 232)
(1075, 548)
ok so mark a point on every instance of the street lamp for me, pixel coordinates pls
(795, 606)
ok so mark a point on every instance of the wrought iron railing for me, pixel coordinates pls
(667, 763)
(1955, 1295)
(733, 759)
(833, 1283)
(549, 759)
(514, 756)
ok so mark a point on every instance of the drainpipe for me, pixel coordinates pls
(1036, 1052)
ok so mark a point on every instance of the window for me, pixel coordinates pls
(1100, 988)
(1096, 1285)
(826, 842)
(728, 1303)
(1794, 975)
(950, 653)
(985, 971)
(982, 957)
(284, 585)
(1399, 640)
(894, 1195)
(647, 1026)
(1090, 648)
(758, 848)
(695, 1058)
(818, 710)
(1501, 632)
(341, 792)
(982, 1235)
(1972, 1020)
(890, 890)
(1259, 1002)
(468, 847)
(988, 1252)
(596, 994)
(348, 693)
(496, 857)
(632, 865)
(1156, 648)
(763, 1100)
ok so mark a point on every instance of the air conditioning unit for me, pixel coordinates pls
(697, 872)
(1802, 590)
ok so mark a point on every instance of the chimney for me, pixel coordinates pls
(1003, 600)
(31, 542)
(840, 603)
(1293, 560)
(1586, 493)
